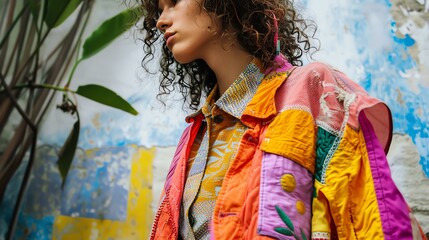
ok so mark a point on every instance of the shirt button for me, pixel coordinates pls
(218, 118)
(191, 221)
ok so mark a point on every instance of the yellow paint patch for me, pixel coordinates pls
(139, 213)
(288, 182)
(300, 207)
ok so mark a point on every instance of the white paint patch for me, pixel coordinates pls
(161, 164)
(406, 172)
(413, 21)
(339, 46)
(94, 234)
(418, 77)
(336, 39)
(378, 27)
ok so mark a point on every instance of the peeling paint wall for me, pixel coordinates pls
(117, 176)
(411, 29)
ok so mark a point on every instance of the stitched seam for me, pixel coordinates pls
(296, 107)
(261, 198)
(347, 103)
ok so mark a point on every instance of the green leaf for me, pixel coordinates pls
(303, 237)
(59, 10)
(285, 218)
(109, 31)
(68, 150)
(71, 7)
(105, 96)
(283, 231)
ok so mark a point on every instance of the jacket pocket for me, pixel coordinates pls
(284, 198)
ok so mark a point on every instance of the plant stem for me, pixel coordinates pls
(13, 25)
(15, 103)
(72, 73)
(12, 226)
(18, 45)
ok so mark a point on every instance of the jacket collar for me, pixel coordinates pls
(258, 104)
(263, 106)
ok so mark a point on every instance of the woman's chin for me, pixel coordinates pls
(182, 59)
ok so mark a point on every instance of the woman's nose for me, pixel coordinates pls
(163, 22)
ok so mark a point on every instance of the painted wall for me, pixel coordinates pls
(118, 173)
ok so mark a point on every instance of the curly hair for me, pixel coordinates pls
(251, 21)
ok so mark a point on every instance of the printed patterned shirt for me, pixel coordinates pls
(213, 150)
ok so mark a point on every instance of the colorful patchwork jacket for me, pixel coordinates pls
(311, 165)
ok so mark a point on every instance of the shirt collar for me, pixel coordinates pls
(238, 95)
(255, 96)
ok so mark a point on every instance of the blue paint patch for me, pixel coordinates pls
(407, 41)
(43, 194)
(139, 98)
(97, 184)
(122, 129)
(41, 202)
(388, 3)
(412, 129)
(121, 143)
(160, 138)
(31, 228)
(402, 61)
(367, 82)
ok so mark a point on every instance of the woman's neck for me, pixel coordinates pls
(227, 63)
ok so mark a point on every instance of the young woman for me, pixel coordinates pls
(276, 151)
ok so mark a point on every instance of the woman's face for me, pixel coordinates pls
(189, 31)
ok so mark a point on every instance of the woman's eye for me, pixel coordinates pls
(170, 3)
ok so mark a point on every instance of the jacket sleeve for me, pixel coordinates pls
(355, 196)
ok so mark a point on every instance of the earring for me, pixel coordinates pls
(276, 35)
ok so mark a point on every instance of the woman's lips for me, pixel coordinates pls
(168, 38)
